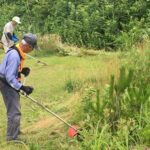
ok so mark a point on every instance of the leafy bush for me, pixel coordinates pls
(94, 24)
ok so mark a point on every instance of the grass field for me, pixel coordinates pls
(59, 86)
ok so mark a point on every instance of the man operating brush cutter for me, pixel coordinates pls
(10, 83)
(9, 38)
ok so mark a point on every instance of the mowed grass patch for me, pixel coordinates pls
(51, 84)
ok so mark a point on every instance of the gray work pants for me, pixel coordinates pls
(12, 102)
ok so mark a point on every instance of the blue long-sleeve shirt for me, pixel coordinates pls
(9, 69)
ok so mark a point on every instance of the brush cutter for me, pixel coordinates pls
(38, 61)
(72, 132)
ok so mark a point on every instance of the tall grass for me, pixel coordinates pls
(111, 110)
(122, 109)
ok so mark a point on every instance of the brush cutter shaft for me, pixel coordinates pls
(48, 110)
(37, 60)
(25, 79)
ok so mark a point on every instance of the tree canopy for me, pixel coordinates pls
(90, 23)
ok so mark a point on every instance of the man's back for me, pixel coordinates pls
(9, 68)
(8, 28)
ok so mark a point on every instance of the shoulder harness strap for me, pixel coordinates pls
(14, 48)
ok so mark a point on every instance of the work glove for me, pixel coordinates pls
(27, 89)
(25, 71)
(14, 38)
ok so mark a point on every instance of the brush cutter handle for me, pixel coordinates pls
(27, 89)
(25, 79)
(38, 61)
(48, 110)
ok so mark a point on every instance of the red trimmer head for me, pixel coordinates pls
(72, 131)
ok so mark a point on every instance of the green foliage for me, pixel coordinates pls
(34, 146)
(94, 24)
(146, 133)
(123, 81)
(118, 118)
(72, 85)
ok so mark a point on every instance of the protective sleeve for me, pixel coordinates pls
(8, 34)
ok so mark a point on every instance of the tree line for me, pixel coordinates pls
(98, 24)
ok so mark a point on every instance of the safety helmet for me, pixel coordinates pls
(16, 19)
(31, 39)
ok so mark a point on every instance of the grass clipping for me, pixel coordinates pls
(52, 43)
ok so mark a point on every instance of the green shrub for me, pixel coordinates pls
(72, 85)
(94, 24)
(118, 118)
